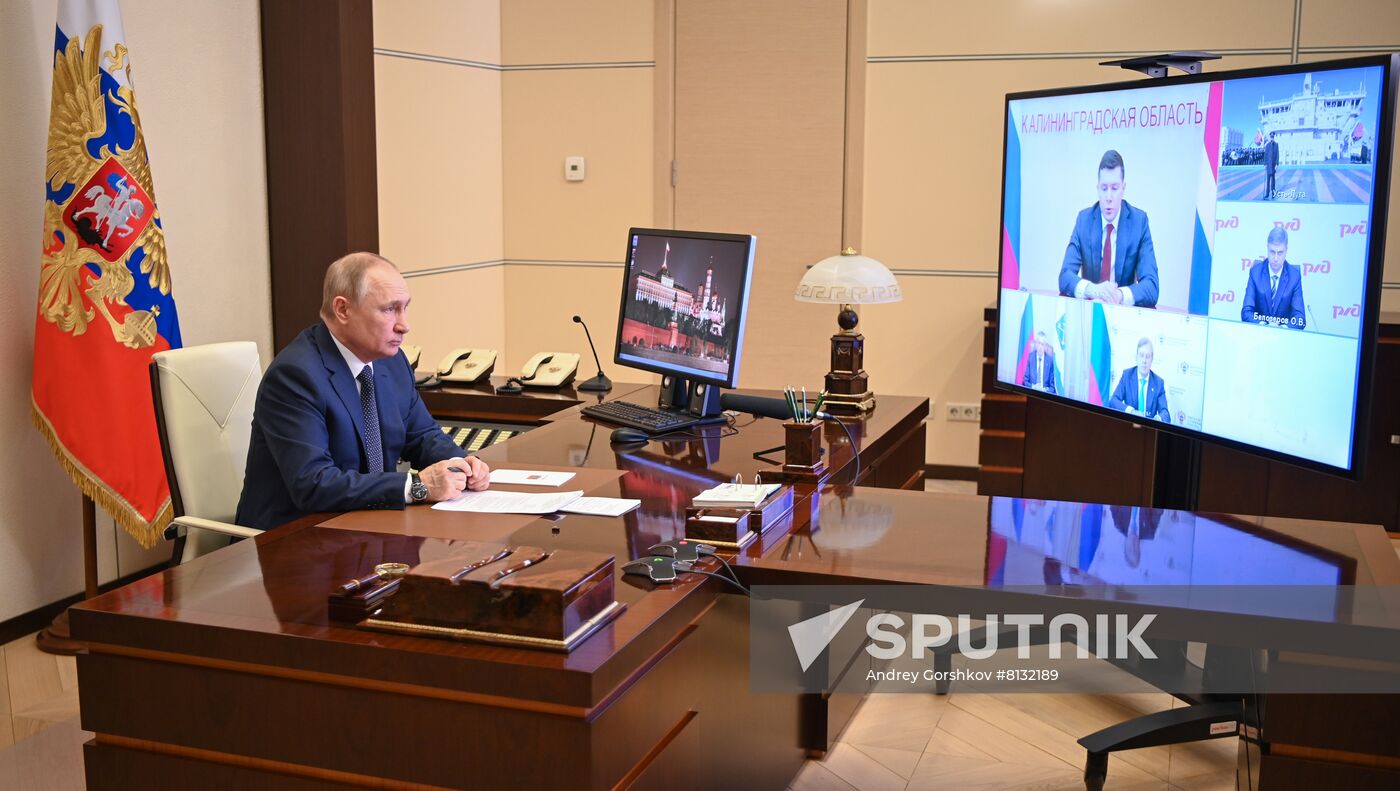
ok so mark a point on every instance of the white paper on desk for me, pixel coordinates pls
(496, 502)
(531, 477)
(601, 506)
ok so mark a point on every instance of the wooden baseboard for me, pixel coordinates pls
(950, 472)
(36, 619)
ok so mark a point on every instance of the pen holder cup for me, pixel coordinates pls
(803, 449)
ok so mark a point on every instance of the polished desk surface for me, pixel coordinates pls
(276, 585)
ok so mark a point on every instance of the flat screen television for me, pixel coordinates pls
(1203, 254)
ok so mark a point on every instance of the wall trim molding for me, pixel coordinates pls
(467, 267)
(499, 67)
(1289, 50)
(449, 268)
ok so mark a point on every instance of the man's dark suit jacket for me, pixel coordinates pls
(1048, 377)
(1134, 262)
(306, 453)
(1126, 395)
(1286, 306)
(1271, 156)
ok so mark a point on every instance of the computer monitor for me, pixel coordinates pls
(684, 300)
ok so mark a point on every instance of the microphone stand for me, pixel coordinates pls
(599, 383)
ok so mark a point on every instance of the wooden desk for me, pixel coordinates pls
(225, 671)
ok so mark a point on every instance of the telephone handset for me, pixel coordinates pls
(549, 369)
(467, 365)
(412, 352)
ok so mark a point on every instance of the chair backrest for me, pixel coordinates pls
(204, 397)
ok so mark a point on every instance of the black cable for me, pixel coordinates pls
(855, 452)
(726, 565)
(693, 570)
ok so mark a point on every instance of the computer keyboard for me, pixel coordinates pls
(649, 419)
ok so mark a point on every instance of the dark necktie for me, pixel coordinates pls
(374, 451)
(1107, 274)
(1273, 286)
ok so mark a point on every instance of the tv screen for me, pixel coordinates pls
(1202, 254)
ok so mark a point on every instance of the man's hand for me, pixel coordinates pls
(478, 473)
(1131, 410)
(442, 482)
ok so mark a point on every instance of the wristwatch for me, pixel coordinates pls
(417, 489)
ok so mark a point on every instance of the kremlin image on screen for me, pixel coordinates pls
(681, 305)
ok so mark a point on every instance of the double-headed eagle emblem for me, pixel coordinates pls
(101, 209)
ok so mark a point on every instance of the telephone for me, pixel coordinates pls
(467, 365)
(549, 369)
(412, 352)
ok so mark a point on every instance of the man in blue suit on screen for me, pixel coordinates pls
(1040, 366)
(1110, 256)
(1274, 292)
(337, 409)
(1139, 390)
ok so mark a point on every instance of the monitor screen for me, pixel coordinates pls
(1202, 254)
(684, 295)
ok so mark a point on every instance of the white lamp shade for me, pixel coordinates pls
(848, 279)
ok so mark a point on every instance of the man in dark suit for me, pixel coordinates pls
(1273, 292)
(1040, 368)
(1270, 167)
(1110, 255)
(1140, 391)
(337, 409)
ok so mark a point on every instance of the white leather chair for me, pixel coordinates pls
(204, 398)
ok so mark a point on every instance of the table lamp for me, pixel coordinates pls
(848, 279)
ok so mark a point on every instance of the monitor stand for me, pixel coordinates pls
(698, 399)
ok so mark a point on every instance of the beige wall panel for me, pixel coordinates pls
(603, 115)
(439, 162)
(759, 144)
(456, 309)
(576, 31)
(1336, 23)
(934, 137)
(930, 345)
(919, 27)
(465, 29)
(1390, 299)
(201, 110)
(540, 305)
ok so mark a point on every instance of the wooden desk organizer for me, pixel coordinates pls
(802, 450)
(735, 527)
(554, 604)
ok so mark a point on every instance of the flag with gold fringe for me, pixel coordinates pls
(105, 304)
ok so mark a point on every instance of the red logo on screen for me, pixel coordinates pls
(1343, 310)
(1323, 268)
(1348, 230)
(1222, 296)
(1294, 224)
(1233, 222)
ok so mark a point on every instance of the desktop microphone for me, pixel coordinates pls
(599, 383)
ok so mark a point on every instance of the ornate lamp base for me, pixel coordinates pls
(847, 386)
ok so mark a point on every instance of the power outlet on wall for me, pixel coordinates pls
(964, 413)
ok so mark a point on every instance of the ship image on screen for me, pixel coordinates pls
(1203, 254)
(682, 306)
